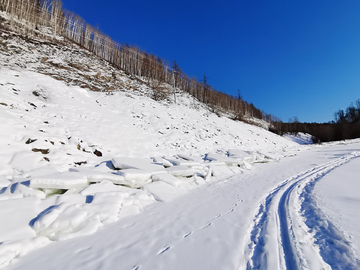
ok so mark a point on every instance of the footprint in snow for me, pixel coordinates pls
(206, 225)
(163, 250)
(188, 234)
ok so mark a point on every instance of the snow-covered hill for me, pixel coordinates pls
(110, 152)
(83, 146)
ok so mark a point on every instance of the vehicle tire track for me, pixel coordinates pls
(276, 214)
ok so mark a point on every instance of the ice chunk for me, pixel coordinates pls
(136, 178)
(241, 154)
(199, 180)
(157, 160)
(47, 217)
(103, 186)
(96, 176)
(248, 156)
(247, 165)
(183, 171)
(18, 190)
(181, 162)
(69, 198)
(4, 182)
(271, 155)
(229, 161)
(42, 171)
(167, 163)
(106, 206)
(60, 221)
(163, 191)
(190, 158)
(208, 174)
(66, 180)
(137, 163)
(167, 178)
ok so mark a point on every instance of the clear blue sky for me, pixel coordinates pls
(289, 58)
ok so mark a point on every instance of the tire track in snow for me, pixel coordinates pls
(283, 214)
(273, 226)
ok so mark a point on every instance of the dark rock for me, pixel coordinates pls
(32, 104)
(30, 141)
(80, 163)
(36, 93)
(98, 153)
(43, 151)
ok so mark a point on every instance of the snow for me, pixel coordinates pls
(210, 227)
(65, 180)
(164, 192)
(115, 180)
(337, 196)
(183, 171)
(167, 178)
(134, 163)
(300, 138)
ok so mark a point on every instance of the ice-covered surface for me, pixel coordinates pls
(116, 180)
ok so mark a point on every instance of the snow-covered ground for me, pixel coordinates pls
(116, 180)
(233, 223)
(300, 138)
(75, 161)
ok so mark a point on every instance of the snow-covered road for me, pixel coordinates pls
(266, 218)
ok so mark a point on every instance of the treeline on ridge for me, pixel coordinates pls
(147, 67)
(345, 126)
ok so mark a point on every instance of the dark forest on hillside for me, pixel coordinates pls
(346, 125)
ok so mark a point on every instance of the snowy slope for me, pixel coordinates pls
(60, 138)
(300, 138)
(112, 179)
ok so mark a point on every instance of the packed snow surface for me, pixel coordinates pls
(115, 180)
